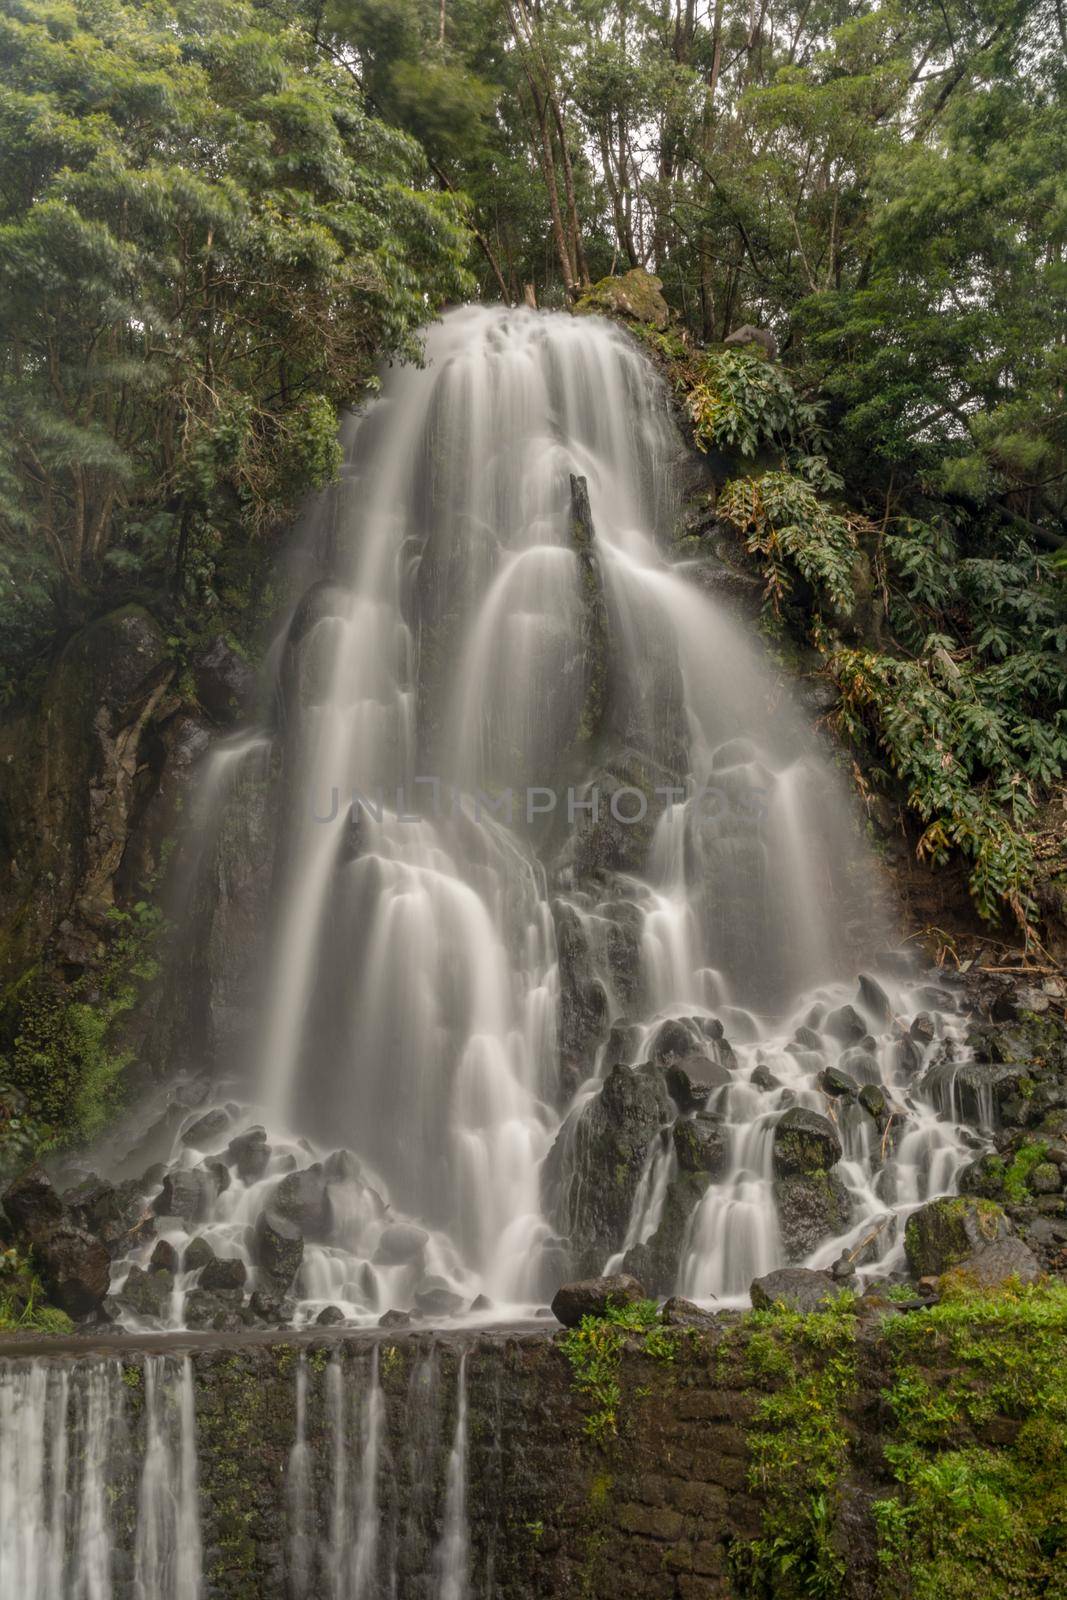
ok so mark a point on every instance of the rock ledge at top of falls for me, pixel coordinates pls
(595, 1297)
(636, 295)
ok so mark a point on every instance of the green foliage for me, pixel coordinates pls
(792, 532)
(206, 247)
(741, 401)
(1017, 1174)
(594, 1350)
(22, 1301)
(62, 1059)
(971, 1519)
(798, 1448)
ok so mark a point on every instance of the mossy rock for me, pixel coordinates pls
(635, 296)
(945, 1232)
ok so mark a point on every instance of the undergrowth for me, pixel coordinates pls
(594, 1350)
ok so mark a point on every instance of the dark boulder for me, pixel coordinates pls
(224, 1272)
(942, 1233)
(207, 1131)
(595, 1297)
(834, 1082)
(692, 1079)
(796, 1288)
(147, 1294)
(874, 1000)
(278, 1250)
(701, 1144)
(249, 1153)
(198, 1255)
(438, 1301)
(164, 1257)
(225, 683)
(872, 1098)
(804, 1141)
(330, 1317)
(275, 1310)
(187, 1192)
(673, 1041)
(75, 1268)
(846, 1025)
(395, 1319)
(303, 1197)
(679, 1313)
(31, 1204)
(116, 1214)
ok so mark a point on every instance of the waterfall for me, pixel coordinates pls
(531, 794)
(452, 1552)
(78, 1467)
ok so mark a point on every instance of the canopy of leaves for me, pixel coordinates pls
(206, 247)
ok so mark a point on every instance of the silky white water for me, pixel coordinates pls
(482, 662)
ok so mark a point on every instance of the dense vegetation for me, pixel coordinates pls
(206, 247)
(217, 218)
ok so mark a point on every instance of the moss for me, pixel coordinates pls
(1017, 1175)
(799, 1445)
(972, 1517)
(594, 1350)
(635, 296)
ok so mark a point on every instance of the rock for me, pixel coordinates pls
(594, 1297)
(249, 1153)
(691, 1080)
(845, 1024)
(278, 1249)
(833, 1081)
(873, 1100)
(74, 1267)
(217, 1173)
(944, 1232)
(481, 1302)
(764, 1079)
(996, 1263)
(635, 295)
(923, 1029)
(303, 1198)
(225, 683)
(147, 1294)
(207, 1131)
(164, 1257)
(400, 1243)
(1046, 1178)
(330, 1317)
(342, 1167)
(202, 1307)
(198, 1254)
(187, 1192)
(874, 1000)
(701, 1145)
(812, 1207)
(796, 1288)
(843, 1268)
(908, 1056)
(804, 1141)
(748, 334)
(395, 1319)
(673, 1042)
(31, 1204)
(438, 1302)
(679, 1313)
(225, 1272)
(806, 1038)
(116, 1214)
(272, 1309)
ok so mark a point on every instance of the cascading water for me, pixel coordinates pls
(535, 795)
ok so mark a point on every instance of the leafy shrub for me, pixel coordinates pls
(791, 530)
(741, 401)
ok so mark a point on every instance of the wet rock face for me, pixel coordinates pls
(944, 1233)
(593, 1170)
(812, 1206)
(225, 683)
(278, 1250)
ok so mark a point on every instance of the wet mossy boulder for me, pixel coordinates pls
(942, 1233)
(635, 296)
(795, 1288)
(804, 1141)
(812, 1207)
(701, 1144)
